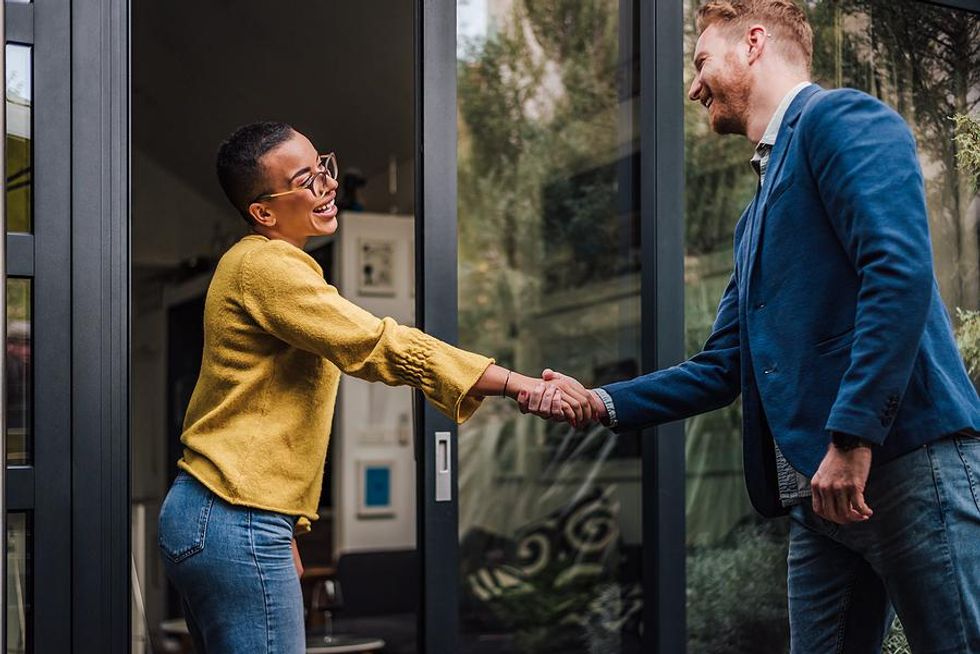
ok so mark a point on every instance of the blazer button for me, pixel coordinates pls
(769, 370)
(760, 305)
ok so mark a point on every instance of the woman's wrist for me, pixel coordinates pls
(518, 383)
(498, 381)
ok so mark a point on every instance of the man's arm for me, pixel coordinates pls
(707, 381)
(862, 155)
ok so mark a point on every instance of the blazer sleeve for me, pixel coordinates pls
(709, 380)
(862, 156)
(288, 298)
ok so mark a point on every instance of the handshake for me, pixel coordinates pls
(562, 399)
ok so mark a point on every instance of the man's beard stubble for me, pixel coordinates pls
(731, 101)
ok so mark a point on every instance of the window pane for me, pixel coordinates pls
(19, 124)
(19, 584)
(917, 58)
(19, 377)
(549, 276)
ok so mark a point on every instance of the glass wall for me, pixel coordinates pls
(18, 368)
(923, 61)
(549, 277)
(19, 125)
(19, 576)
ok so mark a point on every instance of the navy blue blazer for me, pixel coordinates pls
(832, 320)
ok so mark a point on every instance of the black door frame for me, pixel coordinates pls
(99, 327)
(42, 488)
(436, 313)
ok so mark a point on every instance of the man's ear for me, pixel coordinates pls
(756, 38)
(261, 214)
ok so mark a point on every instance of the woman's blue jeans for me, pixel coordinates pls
(920, 553)
(233, 567)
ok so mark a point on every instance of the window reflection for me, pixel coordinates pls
(18, 371)
(19, 591)
(920, 60)
(19, 125)
(549, 276)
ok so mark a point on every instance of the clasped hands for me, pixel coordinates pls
(838, 487)
(562, 398)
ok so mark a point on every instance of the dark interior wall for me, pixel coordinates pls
(340, 72)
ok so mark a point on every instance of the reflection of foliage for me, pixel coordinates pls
(967, 141)
(555, 587)
(924, 61)
(539, 169)
(736, 593)
(968, 340)
(569, 618)
(18, 299)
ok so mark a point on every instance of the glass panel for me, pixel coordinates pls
(19, 582)
(549, 275)
(19, 377)
(19, 125)
(927, 75)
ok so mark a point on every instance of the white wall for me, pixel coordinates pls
(374, 421)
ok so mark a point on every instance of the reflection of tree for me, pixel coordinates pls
(539, 168)
(922, 60)
(925, 62)
(548, 275)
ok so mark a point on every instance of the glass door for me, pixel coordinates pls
(550, 235)
(36, 432)
(550, 273)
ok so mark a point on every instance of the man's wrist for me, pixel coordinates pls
(848, 442)
(599, 407)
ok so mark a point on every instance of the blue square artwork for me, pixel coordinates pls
(377, 487)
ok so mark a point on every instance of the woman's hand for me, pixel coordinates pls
(535, 400)
(578, 405)
(566, 403)
(556, 398)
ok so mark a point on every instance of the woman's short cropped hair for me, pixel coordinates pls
(239, 168)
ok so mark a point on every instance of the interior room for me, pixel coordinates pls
(342, 74)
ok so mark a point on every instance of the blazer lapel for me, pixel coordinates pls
(778, 158)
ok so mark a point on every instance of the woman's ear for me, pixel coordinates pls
(261, 214)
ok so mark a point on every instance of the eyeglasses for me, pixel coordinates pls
(317, 182)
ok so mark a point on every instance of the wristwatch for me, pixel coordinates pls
(847, 442)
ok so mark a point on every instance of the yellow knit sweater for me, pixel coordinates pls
(276, 338)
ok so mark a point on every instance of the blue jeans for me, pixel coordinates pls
(920, 553)
(233, 567)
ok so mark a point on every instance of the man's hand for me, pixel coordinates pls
(296, 560)
(838, 486)
(590, 408)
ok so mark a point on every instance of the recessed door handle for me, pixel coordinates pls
(444, 466)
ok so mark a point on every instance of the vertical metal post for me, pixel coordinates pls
(3, 332)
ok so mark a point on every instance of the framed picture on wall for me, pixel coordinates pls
(374, 488)
(376, 267)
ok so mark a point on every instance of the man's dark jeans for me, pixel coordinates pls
(920, 553)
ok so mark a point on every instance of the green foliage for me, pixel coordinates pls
(967, 139)
(736, 593)
(968, 340)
